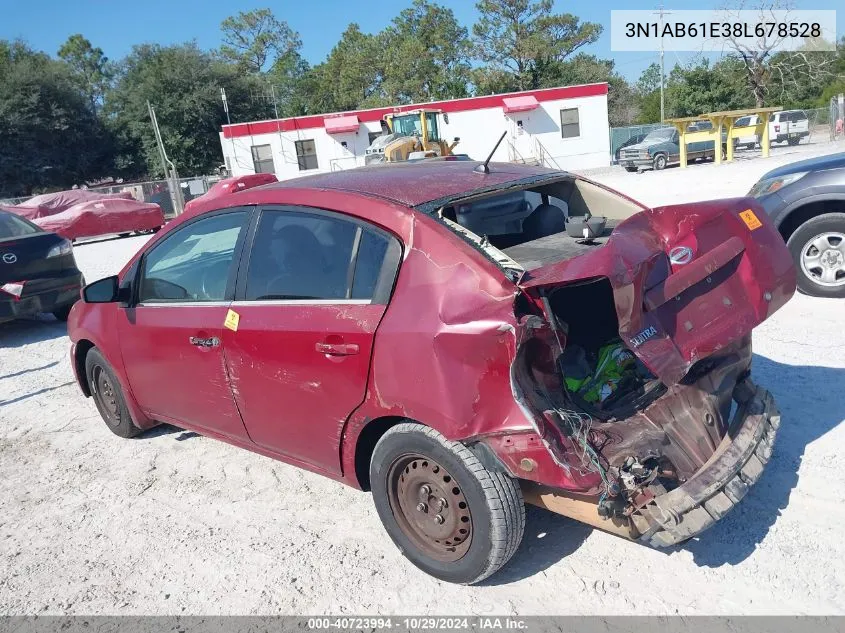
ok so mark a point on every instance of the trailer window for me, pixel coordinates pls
(262, 159)
(570, 124)
(306, 154)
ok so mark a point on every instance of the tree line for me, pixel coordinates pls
(79, 117)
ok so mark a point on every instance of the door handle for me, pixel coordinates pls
(337, 349)
(204, 342)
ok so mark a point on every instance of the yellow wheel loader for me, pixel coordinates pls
(408, 136)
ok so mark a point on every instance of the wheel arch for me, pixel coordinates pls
(83, 346)
(366, 442)
(806, 210)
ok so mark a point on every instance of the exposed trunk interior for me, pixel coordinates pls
(643, 437)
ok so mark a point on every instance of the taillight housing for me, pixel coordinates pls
(777, 128)
(14, 288)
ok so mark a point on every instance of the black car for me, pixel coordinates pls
(38, 272)
(806, 201)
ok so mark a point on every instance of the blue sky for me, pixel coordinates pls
(116, 26)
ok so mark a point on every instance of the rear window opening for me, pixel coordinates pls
(12, 226)
(556, 212)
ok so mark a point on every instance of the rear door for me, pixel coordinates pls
(171, 337)
(309, 298)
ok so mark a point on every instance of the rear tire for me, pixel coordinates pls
(813, 263)
(108, 396)
(660, 162)
(631, 169)
(62, 313)
(464, 540)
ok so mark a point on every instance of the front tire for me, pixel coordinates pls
(448, 514)
(108, 396)
(818, 250)
(660, 162)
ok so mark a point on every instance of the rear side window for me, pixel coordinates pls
(14, 226)
(309, 256)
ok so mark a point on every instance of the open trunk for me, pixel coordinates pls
(635, 356)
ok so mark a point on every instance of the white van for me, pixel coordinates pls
(790, 126)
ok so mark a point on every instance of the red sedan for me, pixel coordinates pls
(460, 342)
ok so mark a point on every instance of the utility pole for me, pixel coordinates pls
(662, 66)
(169, 168)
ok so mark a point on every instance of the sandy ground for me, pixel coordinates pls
(175, 523)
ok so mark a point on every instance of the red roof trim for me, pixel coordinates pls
(376, 114)
(340, 124)
(520, 104)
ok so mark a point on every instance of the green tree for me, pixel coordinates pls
(585, 69)
(90, 65)
(700, 88)
(517, 39)
(350, 78)
(256, 38)
(183, 83)
(648, 95)
(51, 137)
(425, 55)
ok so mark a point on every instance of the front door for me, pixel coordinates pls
(171, 339)
(313, 293)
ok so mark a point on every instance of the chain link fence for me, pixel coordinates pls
(157, 191)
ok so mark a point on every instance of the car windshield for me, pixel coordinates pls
(13, 226)
(660, 135)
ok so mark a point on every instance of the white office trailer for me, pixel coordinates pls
(565, 128)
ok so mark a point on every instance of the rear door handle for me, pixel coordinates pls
(204, 342)
(337, 349)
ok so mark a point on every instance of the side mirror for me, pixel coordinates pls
(457, 138)
(103, 291)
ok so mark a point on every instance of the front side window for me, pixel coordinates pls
(306, 154)
(570, 125)
(262, 159)
(308, 256)
(194, 263)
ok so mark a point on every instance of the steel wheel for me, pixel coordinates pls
(823, 259)
(430, 507)
(105, 393)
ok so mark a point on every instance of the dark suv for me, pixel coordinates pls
(806, 201)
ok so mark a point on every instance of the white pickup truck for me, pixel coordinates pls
(789, 126)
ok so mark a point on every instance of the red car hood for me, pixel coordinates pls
(673, 312)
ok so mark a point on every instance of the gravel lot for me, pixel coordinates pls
(175, 523)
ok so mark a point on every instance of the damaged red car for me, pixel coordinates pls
(460, 340)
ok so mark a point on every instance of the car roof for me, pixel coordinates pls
(418, 183)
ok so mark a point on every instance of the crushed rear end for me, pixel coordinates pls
(663, 431)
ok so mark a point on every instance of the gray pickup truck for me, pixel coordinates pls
(661, 148)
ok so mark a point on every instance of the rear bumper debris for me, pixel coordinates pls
(722, 482)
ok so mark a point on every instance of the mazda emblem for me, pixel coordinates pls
(9, 258)
(680, 255)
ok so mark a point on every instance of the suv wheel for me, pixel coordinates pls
(450, 516)
(660, 162)
(818, 249)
